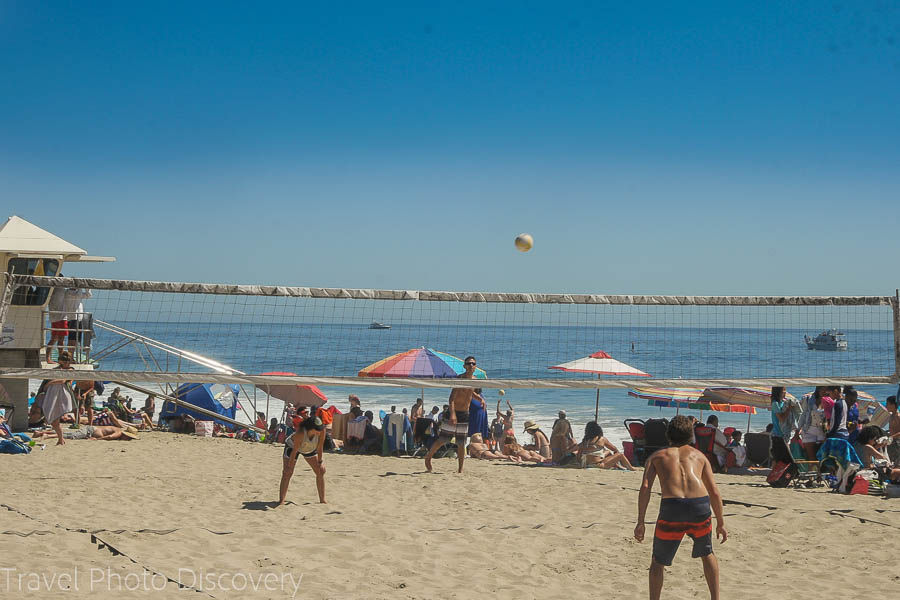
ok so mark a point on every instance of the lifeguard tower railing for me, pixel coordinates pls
(157, 356)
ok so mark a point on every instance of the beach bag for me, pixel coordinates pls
(782, 474)
(860, 486)
(203, 428)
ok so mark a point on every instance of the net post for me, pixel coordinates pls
(895, 307)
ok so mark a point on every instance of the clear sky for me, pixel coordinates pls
(683, 147)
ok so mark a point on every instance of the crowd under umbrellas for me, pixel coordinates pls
(400, 432)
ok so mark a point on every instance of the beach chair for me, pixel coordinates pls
(655, 436)
(759, 447)
(635, 428)
(422, 434)
(705, 442)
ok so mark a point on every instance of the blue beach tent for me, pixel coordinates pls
(217, 397)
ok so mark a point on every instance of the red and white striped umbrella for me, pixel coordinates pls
(600, 363)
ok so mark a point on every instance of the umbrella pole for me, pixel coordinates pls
(597, 406)
(748, 422)
(268, 416)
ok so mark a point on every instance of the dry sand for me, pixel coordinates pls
(131, 514)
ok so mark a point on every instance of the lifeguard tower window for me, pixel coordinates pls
(27, 295)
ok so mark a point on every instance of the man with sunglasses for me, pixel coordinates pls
(456, 422)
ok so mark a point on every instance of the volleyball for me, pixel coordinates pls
(524, 242)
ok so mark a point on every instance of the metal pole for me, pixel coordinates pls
(895, 306)
(748, 422)
(597, 404)
(179, 402)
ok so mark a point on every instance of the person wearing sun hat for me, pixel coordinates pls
(541, 443)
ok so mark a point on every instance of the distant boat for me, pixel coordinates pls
(377, 325)
(827, 340)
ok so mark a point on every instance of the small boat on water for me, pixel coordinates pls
(827, 340)
(377, 325)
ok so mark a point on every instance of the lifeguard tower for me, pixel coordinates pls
(26, 249)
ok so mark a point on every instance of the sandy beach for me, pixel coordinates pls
(110, 517)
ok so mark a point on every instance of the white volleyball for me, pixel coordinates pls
(524, 242)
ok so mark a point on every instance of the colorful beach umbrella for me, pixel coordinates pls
(600, 363)
(424, 363)
(419, 363)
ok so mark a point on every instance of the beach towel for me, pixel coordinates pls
(396, 427)
(478, 420)
(339, 426)
(838, 450)
(56, 401)
(13, 446)
(356, 429)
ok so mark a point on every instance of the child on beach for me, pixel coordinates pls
(688, 493)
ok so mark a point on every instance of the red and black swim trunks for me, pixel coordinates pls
(679, 517)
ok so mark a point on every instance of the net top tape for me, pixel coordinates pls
(444, 296)
(263, 380)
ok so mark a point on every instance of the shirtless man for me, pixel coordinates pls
(417, 411)
(90, 432)
(84, 393)
(457, 423)
(688, 491)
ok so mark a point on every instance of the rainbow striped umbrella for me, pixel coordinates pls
(421, 362)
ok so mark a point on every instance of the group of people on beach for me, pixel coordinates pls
(66, 400)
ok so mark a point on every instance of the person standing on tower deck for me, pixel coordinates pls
(456, 423)
(688, 493)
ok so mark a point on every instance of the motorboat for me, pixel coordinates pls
(377, 325)
(827, 340)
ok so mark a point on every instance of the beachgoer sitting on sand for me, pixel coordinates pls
(511, 448)
(309, 442)
(562, 440)
(35, 417)
(508, 417)
(541, 444)
(595, 450)
(870, 445)
(893, 449)
(478, 449)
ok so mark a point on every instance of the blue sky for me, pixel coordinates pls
(698, 147)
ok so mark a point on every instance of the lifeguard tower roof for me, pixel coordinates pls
(19, 237)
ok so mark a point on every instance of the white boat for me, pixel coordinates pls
(377, 325)
(827, 340)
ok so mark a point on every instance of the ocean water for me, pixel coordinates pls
(513, 351)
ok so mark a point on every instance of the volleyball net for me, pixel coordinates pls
(138, 331)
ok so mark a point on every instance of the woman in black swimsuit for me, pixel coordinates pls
(309, 441)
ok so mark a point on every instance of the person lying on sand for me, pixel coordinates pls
(596, 451)
(688, 493)
(90, 432)
(511, 448)
(478, 449)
